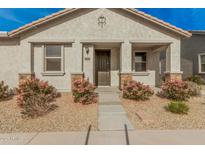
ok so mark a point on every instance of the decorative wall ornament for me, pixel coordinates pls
(101, 21)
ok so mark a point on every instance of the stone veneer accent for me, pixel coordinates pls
(124, 77)
(23, 76)
(173, 76)
(76, 76)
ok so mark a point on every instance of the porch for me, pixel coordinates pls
(110, 63)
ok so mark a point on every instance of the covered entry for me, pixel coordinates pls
(102, 67)
(101, 63)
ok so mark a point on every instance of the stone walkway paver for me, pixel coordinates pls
(111, 114)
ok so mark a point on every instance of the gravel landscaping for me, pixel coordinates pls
(68, 116)
(151, 114)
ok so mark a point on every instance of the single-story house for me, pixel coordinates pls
(193, 55)
(105, 46)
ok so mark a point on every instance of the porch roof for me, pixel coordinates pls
(153, 46)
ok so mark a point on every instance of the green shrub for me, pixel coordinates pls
(35, 97)
(196, 79)
(194, 89)
(178, 107)
(175, 89)
(83, 92)
(5, 92)
(137, 91)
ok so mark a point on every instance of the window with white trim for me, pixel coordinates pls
(140, 61)
(53, 58)
(201, 59)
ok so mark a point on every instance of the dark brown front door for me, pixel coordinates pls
(102, 67)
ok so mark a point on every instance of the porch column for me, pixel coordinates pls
(29, 63)
(78, 52)
(126, 63)
(77, 70)
(89, 63)
(173, 71)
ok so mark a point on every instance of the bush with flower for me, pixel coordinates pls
(5, 92)
(194, 89)
(196, 79)
(136, 90)
(83, 92)
(175, 89)
(35, 97)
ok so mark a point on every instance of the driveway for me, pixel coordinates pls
(145, 137)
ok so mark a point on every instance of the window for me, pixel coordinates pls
(53, 58)
(140, 61)
(201, 59)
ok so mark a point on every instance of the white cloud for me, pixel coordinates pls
(8, 14)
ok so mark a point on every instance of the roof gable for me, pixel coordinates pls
(138, 13)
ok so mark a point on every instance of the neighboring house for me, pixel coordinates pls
(193, 55)
(106, 46)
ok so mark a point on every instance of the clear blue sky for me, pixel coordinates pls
(188, 19)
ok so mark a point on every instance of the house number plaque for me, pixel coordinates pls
(87, 58)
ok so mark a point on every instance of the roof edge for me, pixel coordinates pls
(60, 13)
(159, 22)
(3, 34)
(197, 32)
(40, 21)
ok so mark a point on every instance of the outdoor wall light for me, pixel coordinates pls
(87, 50)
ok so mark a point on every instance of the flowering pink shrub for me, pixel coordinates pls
(83, 92)
(5, 92)
(196, 79)
(175, 89)
(136, 90)
(194, 88)
(35, 97)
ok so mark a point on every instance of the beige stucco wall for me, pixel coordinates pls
(83, 25)
(61, 82)
(147, 78)
(115, 66)
(9, 62)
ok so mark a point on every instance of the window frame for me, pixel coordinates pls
(61, 72)
(199, 63)
(133, 60)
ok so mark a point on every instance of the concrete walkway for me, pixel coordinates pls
(203, 94)
(111, 113)
(141, 137)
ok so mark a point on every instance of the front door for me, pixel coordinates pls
(102, 67)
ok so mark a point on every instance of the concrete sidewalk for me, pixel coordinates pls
(145, 137)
